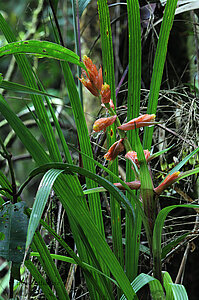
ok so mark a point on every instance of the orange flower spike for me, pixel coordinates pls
(88, 84)
(169, 179)
(99, 79)
(105, 93)
(132, 156)
(93, 80)
(114, 150)
(142, 121)
(102, 123)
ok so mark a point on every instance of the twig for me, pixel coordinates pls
(177, 135)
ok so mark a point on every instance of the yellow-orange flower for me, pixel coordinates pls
(94, 81)
(103, 123)
(114, 150)
(105, 93)
(132, 156)
(142, 121)
(169, 179)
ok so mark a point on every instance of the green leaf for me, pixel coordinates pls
(98, 179)
(82, 5)
(179, 292)
(155, 286)
(40, 202)
(166, 249)
(183, 162)
(158, 66)
(133, 109)
(40, 280)
(13, 224)
(72, 261)
(157, 291)
(19, 88)
(43, 49)
(157, 234)
(166, 282)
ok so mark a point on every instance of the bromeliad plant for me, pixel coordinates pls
(102, 268)
(140, 160)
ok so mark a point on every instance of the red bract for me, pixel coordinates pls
(105, 93)
(132, 156)
(94, 81)
(114, 150)
(142, 121)
(133, 185)
(102, 123)
(169, 179)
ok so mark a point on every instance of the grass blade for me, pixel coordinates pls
(109, 77)
(158, 66)
(133, 104)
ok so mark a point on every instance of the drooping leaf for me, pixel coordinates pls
(43, 49)
(40, 202)
(15, 87)
(13, 227)
(155, 286)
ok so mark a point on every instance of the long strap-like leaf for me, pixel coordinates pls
(158, 66)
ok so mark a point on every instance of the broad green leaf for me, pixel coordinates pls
(179, 292)
(157, 292)
(13, 226)
(43, 49)
(40, 202)
(155, 286)
(167, 285)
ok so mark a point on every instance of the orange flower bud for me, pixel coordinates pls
(105, 93)
(134, 185)
(132, 156)
(114, 150)
(169, 179)
(94, 81)
(102, 123)
(88, 84)
(142, 121)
